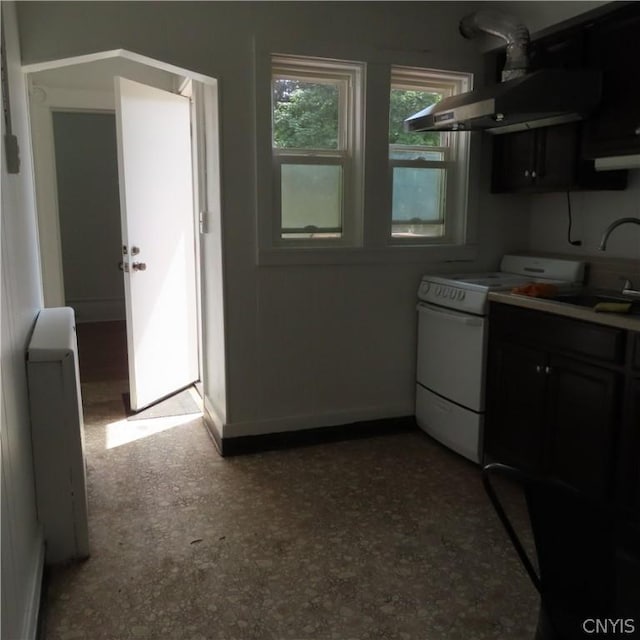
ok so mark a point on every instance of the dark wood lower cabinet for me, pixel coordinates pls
(633, 454)
(563, 412)
(515, 408)
(582, 407)
(629, 457)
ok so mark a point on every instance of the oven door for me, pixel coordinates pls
(451, 355)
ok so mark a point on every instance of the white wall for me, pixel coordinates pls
(592, 212)
(328, 369)
(306, 345)
(21, 300)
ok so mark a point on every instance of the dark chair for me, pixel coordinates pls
(587, 557)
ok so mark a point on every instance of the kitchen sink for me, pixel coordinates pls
(591, 299)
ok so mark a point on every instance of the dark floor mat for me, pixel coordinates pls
(177, 405)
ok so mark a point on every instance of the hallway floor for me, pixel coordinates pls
(389, 537)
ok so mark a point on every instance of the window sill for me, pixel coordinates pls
(395, 254)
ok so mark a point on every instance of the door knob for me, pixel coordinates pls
(139, 266)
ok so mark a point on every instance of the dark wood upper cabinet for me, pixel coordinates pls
(560, 158)
(613, 47)
(547, 160)
(565, 50)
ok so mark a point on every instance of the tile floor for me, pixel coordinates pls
(384, 538)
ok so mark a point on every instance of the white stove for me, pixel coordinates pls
(468, 291)
(452, 341)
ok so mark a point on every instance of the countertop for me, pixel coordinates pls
(619, 320)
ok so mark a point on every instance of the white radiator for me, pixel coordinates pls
(57, 432)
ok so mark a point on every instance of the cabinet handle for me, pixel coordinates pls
(538, 368)
(547, 370)
(533, 174)
(526, 173)
(637, 131)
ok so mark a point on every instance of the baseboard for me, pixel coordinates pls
(241, 445)
(32, 610)
(299, 422)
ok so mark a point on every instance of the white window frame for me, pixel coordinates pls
(456, 156)
(349, 77)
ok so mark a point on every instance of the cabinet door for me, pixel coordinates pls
(514, 421)
(547, 160)
(634, 455)
(629, 450)
(556, 155)
(514, 160)
(561, 168)
(614, 48)
(582, 419)
(536, 160)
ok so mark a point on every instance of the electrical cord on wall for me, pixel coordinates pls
(575, 243)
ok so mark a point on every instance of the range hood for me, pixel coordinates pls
(538, 99)
(522, 100)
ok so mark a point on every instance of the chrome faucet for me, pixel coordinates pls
(614, 225)
(627, 288)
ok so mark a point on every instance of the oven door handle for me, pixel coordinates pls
(455, 316)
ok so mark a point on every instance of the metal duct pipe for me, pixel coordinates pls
(514, 33)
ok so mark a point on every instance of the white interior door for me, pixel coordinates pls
(156, 197)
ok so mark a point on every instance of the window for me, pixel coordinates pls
(315, 131)
(312, 169)
(428, 170)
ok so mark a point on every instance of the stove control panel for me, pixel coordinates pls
(440, 291)
(452, 297)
